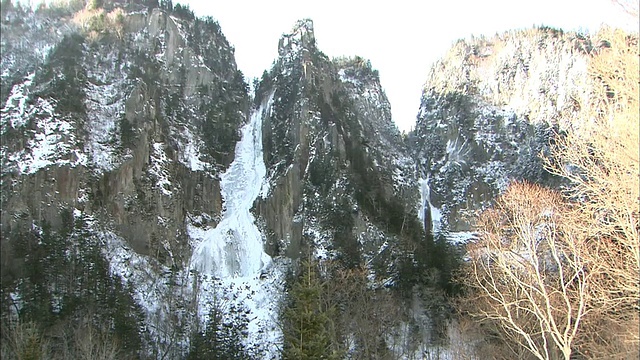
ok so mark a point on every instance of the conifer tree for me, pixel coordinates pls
(65, 279)
(222, 338)
(307, 323)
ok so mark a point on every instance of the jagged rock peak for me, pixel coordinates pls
(301, 37)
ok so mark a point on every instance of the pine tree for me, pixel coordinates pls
(65, 279)
(222, 338)
(307, 323)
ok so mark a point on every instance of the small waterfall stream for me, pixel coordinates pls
(426, 211)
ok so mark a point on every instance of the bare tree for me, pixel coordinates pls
(628, 6)
(601, 160)
(528, 273)
(94, 343)
(24, 340)
(551, 272)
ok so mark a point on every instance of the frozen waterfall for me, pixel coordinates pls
(234, 247)
(425, 200)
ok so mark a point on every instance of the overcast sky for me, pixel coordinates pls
(402, 38)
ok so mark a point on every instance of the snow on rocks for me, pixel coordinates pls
(104, 109)
(190, 154)
(158, 169)
(14, 112)
(52, 141)
(436, 215)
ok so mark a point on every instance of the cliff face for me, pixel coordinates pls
(133, 128)
(333, 155)
(489, 108)
(124, 117)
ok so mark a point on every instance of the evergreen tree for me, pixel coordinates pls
(65, 280)
(222, 338)
(306, 320)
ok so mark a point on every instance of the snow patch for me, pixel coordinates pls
(14, 111)
(104, 108)
(158, 169)
(461, 237)
(51, 142)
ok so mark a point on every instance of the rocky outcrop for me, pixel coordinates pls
(122, 133)
(489, 109)
(337, 167)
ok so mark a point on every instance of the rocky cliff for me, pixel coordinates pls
(334, 158)
(133, 128)
(125, 116)
(490, 110)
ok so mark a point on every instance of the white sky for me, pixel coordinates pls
(402, 38)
